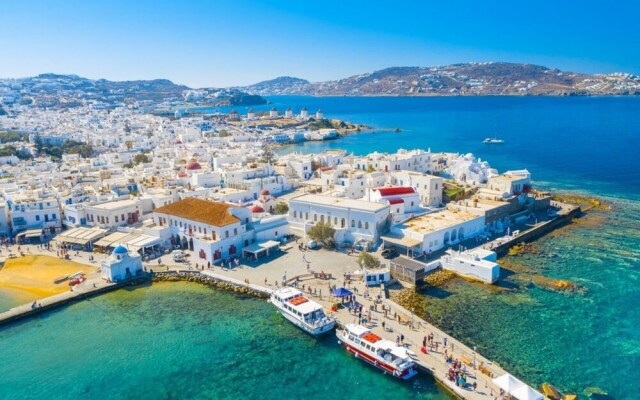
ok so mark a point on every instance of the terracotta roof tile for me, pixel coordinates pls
(208, 212)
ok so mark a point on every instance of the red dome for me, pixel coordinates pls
(193, 165)
(257, 209)
(178, 141)
(183, 174)
(265, 192)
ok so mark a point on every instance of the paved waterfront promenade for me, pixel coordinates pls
(292, 262)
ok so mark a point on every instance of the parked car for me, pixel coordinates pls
(390, 252)
(178, 255)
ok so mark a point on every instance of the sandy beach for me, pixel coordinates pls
(31, 277)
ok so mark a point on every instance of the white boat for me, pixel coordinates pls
(301, 311)
(381, 353)
(493, 141)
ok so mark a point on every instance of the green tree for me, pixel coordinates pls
(281, 208)
(268, 156)
(370, 169)
(128, 144)
(368, 260)
(322, 232)
(140, 158)
(223, 133)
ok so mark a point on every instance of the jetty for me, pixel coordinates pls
(378, 309)
(87, 289)
(565, 215)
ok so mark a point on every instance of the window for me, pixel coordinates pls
(117, 220)
(342, 223)
(306, 216)
(412, 204)
(295, 214)
(359, 224)
(335, 220)
(353, 223)
(226, 234)
(37, 218)
(315, 217)
(235, 231)
(366, 225)
(436, 186)
(322, 219)
(122, 217)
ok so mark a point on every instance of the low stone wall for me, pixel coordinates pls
(191, 276)
(537, 232)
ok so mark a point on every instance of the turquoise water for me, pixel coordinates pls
(182, 341)
(178, 341)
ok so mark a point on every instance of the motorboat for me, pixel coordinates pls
(493, 141)
(380, 353)
(61, 279)
(303, 312)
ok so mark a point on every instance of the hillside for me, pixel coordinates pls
(66, 91)
(493, 78)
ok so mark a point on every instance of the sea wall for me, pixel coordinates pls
(537, 232)
(49, 303)
(211, 280)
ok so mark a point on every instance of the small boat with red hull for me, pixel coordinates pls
(381, 353)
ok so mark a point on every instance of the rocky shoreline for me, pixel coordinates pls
(188, 276)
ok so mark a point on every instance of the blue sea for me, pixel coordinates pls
(187, 341)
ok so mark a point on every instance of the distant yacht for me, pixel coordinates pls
(493, 140)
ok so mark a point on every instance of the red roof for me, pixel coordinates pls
(396, 201)
(257, 209)
(265, 192)
(193, 165)
(396, 190)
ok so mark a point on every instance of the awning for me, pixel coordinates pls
(110, 240)
(260, 247)
(341, 292)
(81, 235)
(141, 241)
(508, 383)
(526, 393)
(403, 241)
(31, 233)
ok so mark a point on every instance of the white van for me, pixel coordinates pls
(178, 255)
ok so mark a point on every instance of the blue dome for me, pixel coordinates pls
(120, 250)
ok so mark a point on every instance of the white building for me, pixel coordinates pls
(511, 183)
(113, 213)
(121, 265)
(353, 220)
(30, 212)
(213, 230)
(478, 264)
(429, 187)
(432, 232)
(397, 195)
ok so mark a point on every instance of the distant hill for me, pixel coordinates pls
(65, 91)
(491, 78)
(280, 85)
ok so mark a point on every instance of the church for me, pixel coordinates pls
(121, 265)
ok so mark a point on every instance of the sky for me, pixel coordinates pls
(240, 42)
